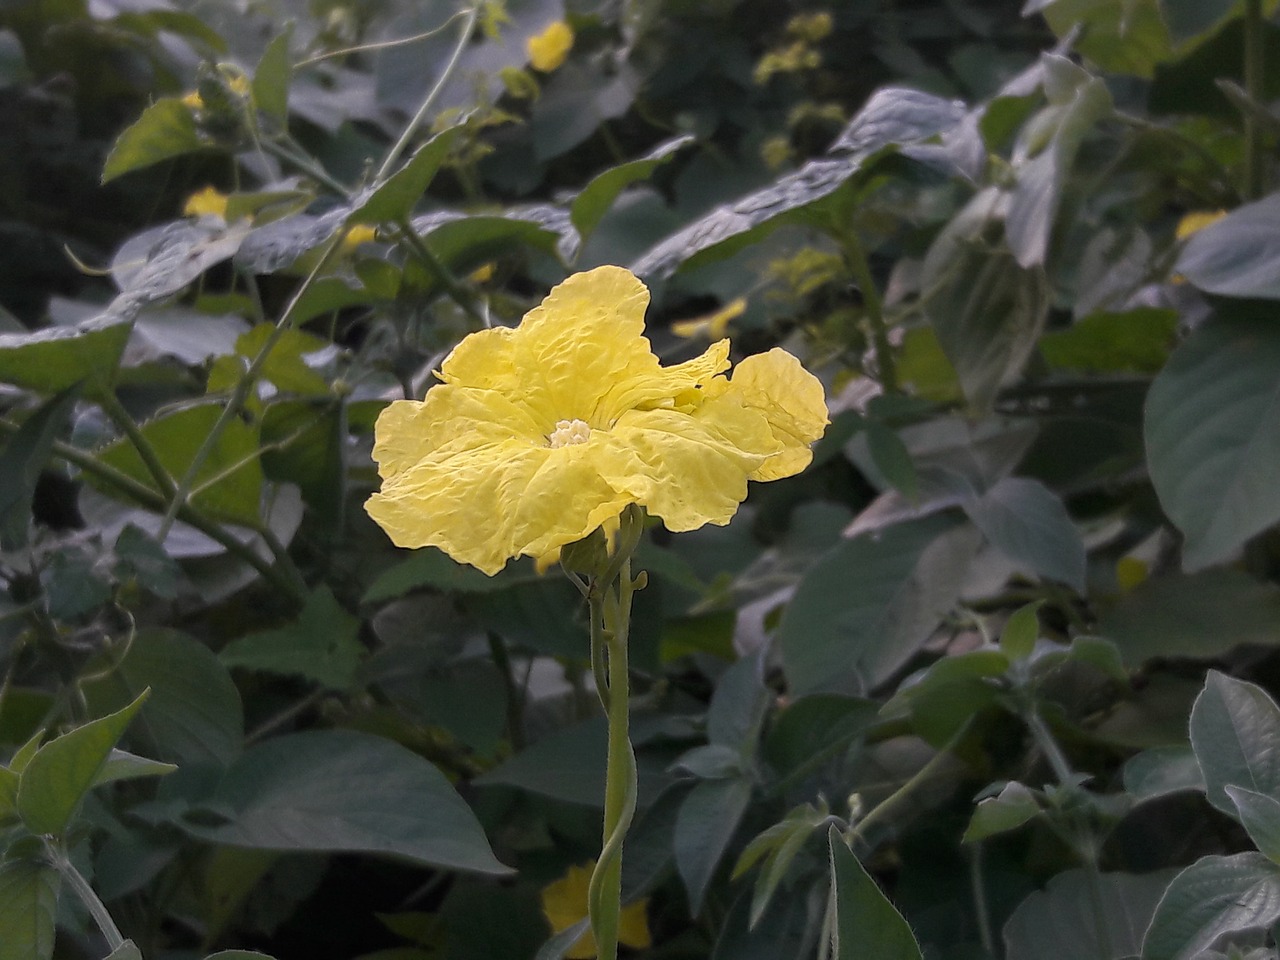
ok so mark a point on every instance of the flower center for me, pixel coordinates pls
(569, 432)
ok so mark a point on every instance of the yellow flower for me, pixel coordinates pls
(548, 49)
(1197, 220)
(565, 903)
(205, 203)
(713, 325)
(541, 433)
(482, 273)
(193, 101)
(357, 235)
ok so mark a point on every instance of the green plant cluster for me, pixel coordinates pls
(989, 681)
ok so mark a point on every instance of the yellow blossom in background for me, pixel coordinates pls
(565, 903)
(481, 274)
(1197, 220)
(204, 203)
(540, 434)
(357, 235)
(712, 326)
(548, 49)
(193, 101)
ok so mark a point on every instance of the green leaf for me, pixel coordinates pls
(869, 603)
(1029, 524)
(707, 821)
(394, 200)
(779, 845)
(892, 116)
(1239, 255)
(271, 79)
(123, 765)
(228, 484)
(166, 129)
(1212, 897)
(57, 358)
(986, 309)
(1014, 806)
(1135, 341)
(1183, 616)
(21, 461)
(595, 199)
(65, 769)
(1061, 922)
(1260, 815)
(286, 364)
(159, 262)
(194, 715)
(430, 567)
(1021, 631)
(866, 923)
(1213, 436)
(892, 458)
(126, 951)
(1234, 729)
(738, 705)
(28, 907)
(340, 790)
(1126, 37)
(814, 727)
(557, 946)
(1160, 771)
(321, 646)
(304, 442)
(567, 765)
(1077, 101)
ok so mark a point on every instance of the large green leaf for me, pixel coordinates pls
(892, 116)
(228, 484)
(340, 790)
(1029, 524)
(595, 199)
(1213, 436)
(707, 820)
(56, 358)
(1061, 921)
(1212, 897)
(567, 765)
(321, 646)
(985, 308)
(866, 923)
(1239, 255)
(1128, 37)
(869, 603)
(166, 129)
(1198, 615)
(1260, 816)
(28, 907)
(271, 78)
(156, 263)
(194, 715)
(55, 782)
(21, 461)
(1137, 341)
(1234, 730)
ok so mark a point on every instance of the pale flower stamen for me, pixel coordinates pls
(569, 432)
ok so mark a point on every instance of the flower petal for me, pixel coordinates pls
(688, 470)
(791, 399)
(485, 504)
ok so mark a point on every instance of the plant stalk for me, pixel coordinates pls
(874, 305)
(97, 909)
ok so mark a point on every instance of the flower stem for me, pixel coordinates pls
(886, 368)
(611, 598)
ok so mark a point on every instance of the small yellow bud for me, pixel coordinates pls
(205, 203)
(549, 49)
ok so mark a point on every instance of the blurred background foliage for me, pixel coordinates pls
(998, 663)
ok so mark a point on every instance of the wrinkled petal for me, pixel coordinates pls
(483, 505)
(688, 471)
(791, 399)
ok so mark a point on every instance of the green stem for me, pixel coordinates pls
(121, 417)
(393, 155)
(307, 165)
(241, 392)
(611, 598)
(440, 273)
(891, 803)
(1255, 55)
(1049, 746)
(980, 908)
(874, 306)
(97, 909)
(146, 497)
(515, 703)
